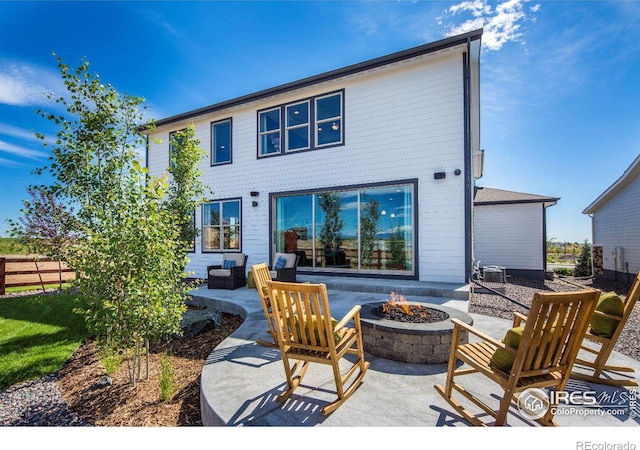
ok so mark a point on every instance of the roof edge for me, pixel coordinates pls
(326, 76)
(629, 174)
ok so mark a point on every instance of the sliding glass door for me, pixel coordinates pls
(359, 229)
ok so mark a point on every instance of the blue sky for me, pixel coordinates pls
(560, 90)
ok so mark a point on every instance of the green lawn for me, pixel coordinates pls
(38, 334)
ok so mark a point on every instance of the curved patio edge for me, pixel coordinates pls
(241, 380)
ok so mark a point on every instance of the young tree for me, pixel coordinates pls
(583, 266)
(129, 245)
(186, 190)
(45, 228)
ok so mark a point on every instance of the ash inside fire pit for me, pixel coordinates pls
(400, 310)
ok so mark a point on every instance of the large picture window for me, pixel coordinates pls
(221, 225)
(307, 124)
(221, 142)
(357, 229)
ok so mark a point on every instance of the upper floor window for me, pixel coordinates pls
(297, 126)
(269, 132)
(221, 142)
(329, 120)
(221, 225)
(303, 125)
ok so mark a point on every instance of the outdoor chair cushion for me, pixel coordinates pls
(502, 358)
(238, 258)
(220, 272)
(281, 263)
(228, 264)
(316, 328)
(608, 303)
(290, 259)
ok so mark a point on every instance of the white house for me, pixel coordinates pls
(368, 170)
(510, 231)
(615, 227)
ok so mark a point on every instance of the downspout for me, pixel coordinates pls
(468, 200)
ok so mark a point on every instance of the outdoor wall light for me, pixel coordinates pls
(439, 175)
(254, 204)
(254, 194)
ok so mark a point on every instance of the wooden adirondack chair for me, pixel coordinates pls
(262, 277)
(549, 343)
(306, 333)
(597, 369)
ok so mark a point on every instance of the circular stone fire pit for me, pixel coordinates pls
(418, 343)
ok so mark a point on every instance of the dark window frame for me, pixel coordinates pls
(312, 123)
(212, 149)
(221, 225)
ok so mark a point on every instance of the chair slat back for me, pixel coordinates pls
(303, 318)
(554, 330)
(261, 276)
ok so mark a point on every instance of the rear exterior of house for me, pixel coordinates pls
(364, 171)
(615, 227)
(510, 231)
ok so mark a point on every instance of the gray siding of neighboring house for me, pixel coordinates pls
(512, 236)
(615, 225)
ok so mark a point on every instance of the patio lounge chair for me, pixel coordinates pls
(306, 333)
(231, 274)
(548, 345)
(597, 369)
(284, 267)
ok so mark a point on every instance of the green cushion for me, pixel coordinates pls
(608, 303)
(502, 358)
(316, 328)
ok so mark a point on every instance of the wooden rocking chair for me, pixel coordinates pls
(262, 278)
(604, 345)
(306, 333)
(549, 343)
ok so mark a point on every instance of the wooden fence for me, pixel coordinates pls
(23, 271)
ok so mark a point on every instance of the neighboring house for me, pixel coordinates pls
(366, 170)
(615, 227)
(510, 231)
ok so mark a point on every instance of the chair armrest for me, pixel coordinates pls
(481, 335)
(347, 317)
(608, 316)
(217, 266)
(518, 319)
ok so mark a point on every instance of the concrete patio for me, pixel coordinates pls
(241, 379)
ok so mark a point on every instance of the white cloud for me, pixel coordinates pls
(16, 132)
(25, 85)
(500, 25)
(21, 151)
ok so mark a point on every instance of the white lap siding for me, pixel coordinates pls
(401, 122)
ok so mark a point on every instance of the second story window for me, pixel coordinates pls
(308, 124)
(221, 142)
(297, 126)
(269, 132)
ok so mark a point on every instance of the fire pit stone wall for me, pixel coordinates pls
(417, 343)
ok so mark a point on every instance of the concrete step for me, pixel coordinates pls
(407, 288)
